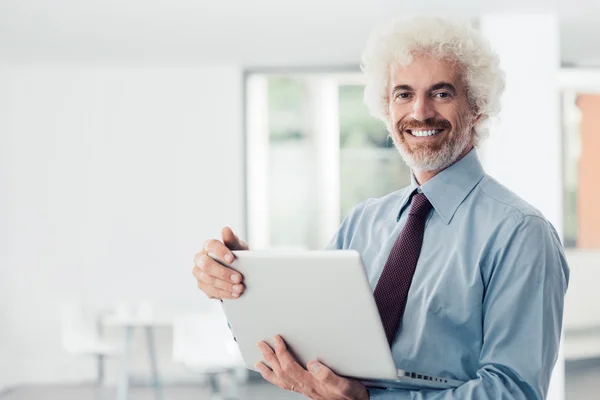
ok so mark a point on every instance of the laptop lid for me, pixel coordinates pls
(320, 302)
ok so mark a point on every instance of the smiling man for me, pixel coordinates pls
(468, 278)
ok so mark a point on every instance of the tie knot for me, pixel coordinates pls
(420, 205)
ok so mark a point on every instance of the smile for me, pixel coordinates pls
(423, 133)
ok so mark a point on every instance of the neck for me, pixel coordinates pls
(423, 176)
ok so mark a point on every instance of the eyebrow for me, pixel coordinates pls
(443, 85)
(440, 85)
(402, 87)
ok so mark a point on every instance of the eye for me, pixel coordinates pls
(442, 95)
(402, 96)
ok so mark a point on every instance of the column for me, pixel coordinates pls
(524, 148)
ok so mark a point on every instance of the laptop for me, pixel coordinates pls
(322, 305)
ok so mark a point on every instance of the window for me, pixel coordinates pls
(370, 165)
(581, 132)
(290, 162)
(313, 153)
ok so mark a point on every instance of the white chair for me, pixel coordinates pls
(80, 337)
(203, 343)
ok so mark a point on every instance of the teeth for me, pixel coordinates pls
(425, 133)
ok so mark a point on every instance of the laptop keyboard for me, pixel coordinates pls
(414, 375)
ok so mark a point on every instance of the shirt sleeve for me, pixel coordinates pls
(527, 277)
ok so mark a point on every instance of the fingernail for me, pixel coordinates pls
(236, 278)
(237, 288)
(314, 366)
(235, 294)
(229, 258)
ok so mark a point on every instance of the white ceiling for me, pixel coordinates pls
(254, 33)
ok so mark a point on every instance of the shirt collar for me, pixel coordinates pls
(447, 190)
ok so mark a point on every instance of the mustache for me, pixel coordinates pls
(429, 123)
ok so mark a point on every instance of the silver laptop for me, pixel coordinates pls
(321, 303)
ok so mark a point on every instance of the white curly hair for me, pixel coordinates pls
(398, 41)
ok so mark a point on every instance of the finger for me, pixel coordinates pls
(202, 276)
(232, 241)
(216, 270)
(214, 293)
(270, 357)
(220, 250)
(288, 363)
(329, 379)
(266, 373)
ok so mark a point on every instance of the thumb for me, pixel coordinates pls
(231, 240)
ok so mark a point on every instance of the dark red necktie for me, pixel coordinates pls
(391, 291)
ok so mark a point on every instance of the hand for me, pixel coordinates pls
(214, 279)
(317, 383)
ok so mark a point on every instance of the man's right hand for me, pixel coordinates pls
(214, 279)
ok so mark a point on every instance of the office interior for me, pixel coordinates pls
(132, 131)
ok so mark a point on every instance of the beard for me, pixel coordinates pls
(432, 156)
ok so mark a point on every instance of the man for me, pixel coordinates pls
(469, 279)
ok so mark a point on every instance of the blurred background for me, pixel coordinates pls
(132, 131)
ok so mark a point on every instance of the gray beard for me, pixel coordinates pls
(425, 160)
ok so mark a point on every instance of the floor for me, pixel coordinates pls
(582, 383)
(582, 379)
(256, 391)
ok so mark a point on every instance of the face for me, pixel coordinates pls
(429, 114)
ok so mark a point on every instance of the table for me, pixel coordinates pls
(129, 322)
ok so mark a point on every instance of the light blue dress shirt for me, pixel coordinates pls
(486, 301)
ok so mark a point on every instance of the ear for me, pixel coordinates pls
(476, 119)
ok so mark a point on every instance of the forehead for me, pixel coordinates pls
(425, 71)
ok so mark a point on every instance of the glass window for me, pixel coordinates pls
(370, 164)
(581, 130)
(289, 161)
(312, 122)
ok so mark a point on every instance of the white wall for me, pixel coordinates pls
(582, 301)
(241, 32)
(4, 238)
(524, 150)
(114, 177)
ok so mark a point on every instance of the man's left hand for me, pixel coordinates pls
(317, 382)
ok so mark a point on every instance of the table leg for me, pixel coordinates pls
(123, 385)
(215, 387)
(100, 376)
(99, 389)
(153, 362)
(232, 392)
(100, 357)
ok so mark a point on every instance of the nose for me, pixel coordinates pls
(423, 108)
